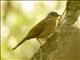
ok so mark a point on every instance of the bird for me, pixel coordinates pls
(41, 30)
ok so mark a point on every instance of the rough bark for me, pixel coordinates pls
(64, 43)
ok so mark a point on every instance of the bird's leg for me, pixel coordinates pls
(42, 41)
(39, 41)
(41, 53)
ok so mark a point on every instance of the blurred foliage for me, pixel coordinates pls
(17, 18)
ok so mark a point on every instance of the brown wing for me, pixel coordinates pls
(49, 28)
(35, 31)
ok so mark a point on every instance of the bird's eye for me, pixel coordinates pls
(52, 14)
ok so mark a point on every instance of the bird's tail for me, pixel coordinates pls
(19, 43)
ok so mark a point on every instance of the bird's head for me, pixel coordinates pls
(53, 15)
